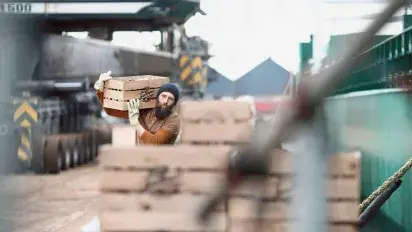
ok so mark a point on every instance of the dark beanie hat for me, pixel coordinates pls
(169, 87)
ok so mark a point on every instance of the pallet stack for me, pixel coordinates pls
(342, 193)
(215, 122)
(159, 188)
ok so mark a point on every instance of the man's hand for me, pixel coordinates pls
(133, 107)
(102, 78)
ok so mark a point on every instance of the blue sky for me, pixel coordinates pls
(244, 34)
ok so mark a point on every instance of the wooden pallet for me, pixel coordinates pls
(119, 90)
(342, 192)
(215, 121)
(133, 198)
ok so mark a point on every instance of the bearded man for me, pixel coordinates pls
(157, 126)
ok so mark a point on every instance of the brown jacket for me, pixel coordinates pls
(157, 131)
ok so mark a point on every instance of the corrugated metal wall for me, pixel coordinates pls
(379, 124)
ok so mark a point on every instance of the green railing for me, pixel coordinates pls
(386, 65)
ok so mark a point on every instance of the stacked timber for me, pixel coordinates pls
(342, 193)
(159, 188)
(215, 122)
(119, 90)
(147, 188)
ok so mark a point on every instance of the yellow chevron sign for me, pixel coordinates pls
(26, 114)
(191, 67)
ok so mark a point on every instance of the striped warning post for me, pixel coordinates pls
(24, 151)
(192, 70)
(25, 115)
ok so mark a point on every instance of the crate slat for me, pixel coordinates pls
(282, 189)
(206, 132)
(188, 156)
(272, 226)
(135, 221)
(123, 181)
(131, 181)
(177, 203)
(340, 164)
(126, 95)
(179, 156)
(122, 105)
(135, 82)
(337, 211)
(202, 182)
(214, 110)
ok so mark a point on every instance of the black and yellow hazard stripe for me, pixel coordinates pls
(192, 70)
(24, 151)
(204, 74)
(25, 115)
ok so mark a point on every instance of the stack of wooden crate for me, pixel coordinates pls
(215, 122)
(159, 188)
(119, 90)
(342, 193)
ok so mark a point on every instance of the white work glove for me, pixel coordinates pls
(133, 107)
(102, 78)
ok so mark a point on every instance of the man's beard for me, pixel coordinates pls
(162, 111)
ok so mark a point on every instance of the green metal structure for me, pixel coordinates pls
(371, 111)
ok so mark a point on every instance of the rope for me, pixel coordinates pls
(397, 175)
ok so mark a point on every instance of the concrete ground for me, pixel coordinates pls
(52, 203)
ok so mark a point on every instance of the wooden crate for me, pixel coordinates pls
(133, 198)
(119, 90)
(342, 192)
(215, 121)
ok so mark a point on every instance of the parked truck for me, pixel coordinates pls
(56, 116)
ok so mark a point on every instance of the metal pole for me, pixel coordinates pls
(308, 152)
(374, 207)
